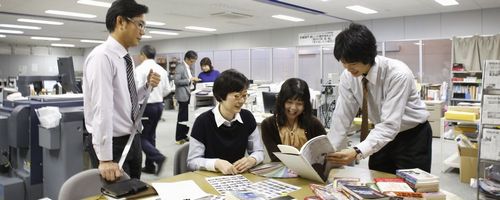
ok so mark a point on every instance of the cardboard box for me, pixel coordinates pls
(468, 163)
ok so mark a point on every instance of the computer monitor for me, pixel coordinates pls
(67, 73)
(269, 100)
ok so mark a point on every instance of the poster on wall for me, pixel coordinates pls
(317, 38)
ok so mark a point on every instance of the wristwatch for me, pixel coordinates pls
(359, 154)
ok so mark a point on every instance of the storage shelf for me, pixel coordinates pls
(462, 121)
(472, 100)
(466, 72)
(484, 160)
(466, 82)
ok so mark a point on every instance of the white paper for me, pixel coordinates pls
(179, 190)
(492, 74)
(491, 109)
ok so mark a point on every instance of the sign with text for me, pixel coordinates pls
(318, 38)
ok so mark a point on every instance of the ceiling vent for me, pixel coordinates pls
(231, 15)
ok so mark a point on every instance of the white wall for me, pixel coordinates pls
(28, 60)
(444, 25)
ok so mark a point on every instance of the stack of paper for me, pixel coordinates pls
(179, 190)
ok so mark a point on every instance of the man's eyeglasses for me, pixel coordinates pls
(140, 24)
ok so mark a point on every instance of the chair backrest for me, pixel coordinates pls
(180, 159)
(84, 184)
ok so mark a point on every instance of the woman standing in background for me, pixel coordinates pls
(208, 73)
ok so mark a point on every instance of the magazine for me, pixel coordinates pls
(310, 161)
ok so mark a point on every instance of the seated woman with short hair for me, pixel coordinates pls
(293, 122)
(221, 136)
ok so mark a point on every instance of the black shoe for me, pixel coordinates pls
(148, 170)
(159, 165)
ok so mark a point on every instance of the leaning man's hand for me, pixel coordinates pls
(110, 170)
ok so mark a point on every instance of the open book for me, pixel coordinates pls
(310, 161)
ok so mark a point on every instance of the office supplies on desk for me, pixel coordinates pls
(228, 183)
(271, 188)
(273, 170)
(179, 190)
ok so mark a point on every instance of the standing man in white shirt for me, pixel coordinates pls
(110, 96)
(154, 108)
(184, 82)
(385, 91)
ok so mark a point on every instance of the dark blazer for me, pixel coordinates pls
(182, 83)
(271, 135)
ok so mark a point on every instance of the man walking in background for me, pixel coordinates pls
(154, 109)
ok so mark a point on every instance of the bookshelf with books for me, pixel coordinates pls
(465, 85)
(488, 170)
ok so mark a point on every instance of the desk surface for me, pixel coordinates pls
(365, 175)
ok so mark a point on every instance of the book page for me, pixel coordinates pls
(316, 149)
(288, 149)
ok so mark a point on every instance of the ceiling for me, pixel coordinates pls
(176, 14)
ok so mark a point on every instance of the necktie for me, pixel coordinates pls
(364, 111)
(131, 87)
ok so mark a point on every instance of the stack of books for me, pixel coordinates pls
(419, 180)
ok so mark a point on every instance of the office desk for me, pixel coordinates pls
(365, 175)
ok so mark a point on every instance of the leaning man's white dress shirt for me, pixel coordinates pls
(394, 104)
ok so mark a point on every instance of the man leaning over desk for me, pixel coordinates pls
(385, 91)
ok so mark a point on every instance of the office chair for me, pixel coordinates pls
(180, 159)
(84, 184)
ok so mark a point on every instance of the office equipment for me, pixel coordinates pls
(40, 171)
(67, 74)
(24, 82)
(269, 99)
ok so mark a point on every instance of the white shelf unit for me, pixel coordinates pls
(464, 90)
(489, 135)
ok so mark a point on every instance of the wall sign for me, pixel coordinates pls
(318, 38)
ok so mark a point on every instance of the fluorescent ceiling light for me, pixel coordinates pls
(62, 45)
(163, 33)
(153, 23)
(72, 14)
(2, 35)
(361, 9)
(289, 18)
(94, 3)
(20, 26)
(447, 2)
(92, 41)
(200, 28)
(45, 38)
(11, 31)
(36, 21)
(147, 36)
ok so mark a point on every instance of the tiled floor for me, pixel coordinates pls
(449, 179)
